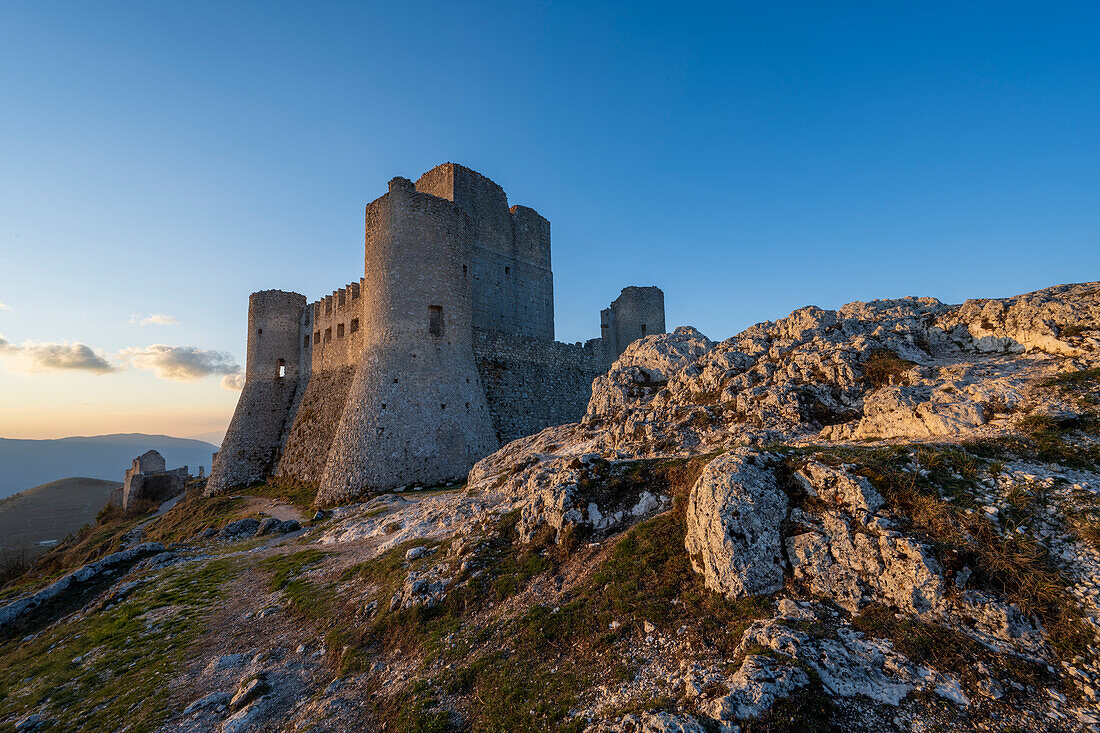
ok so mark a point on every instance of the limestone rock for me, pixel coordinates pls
(808, 373)
(241, 527)
(826, 482)
(645, 367)
(659, 722)
(734, 514)
(273, 525)
(13, 612)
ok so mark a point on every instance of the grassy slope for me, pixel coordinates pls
(50, 512)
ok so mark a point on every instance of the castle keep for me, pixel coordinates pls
(443, 351)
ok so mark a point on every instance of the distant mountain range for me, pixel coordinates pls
(214, 436)
(27, 463)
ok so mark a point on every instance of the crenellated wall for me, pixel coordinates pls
(332, 334)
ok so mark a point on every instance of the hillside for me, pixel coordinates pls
(50, 512)
(885, 517)
(27, 463)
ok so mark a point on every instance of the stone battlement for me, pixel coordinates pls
(441, 352)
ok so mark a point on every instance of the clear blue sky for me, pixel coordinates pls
(170, 158)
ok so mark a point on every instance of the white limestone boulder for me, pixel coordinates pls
(734, 514)
(644, 368)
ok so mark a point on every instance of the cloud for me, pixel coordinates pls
(180, 363)
(6, 307)
(156, 319)
(233, 382)
(36, 357)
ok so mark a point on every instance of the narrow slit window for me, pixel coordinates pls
(643, 329)
(435, 320)
(340, 330)
(281, 369)
(316, 337)
(328, 334)
(305, 342)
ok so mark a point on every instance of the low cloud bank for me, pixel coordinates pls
(175, 363)
(34, 357)
(180, 363)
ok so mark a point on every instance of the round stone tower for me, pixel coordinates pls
(416, 411)
(273, 335)
(252, 442)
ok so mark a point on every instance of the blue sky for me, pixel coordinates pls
(170, 158)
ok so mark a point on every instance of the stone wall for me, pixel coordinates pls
(637, 312)
(443, 351)
(532, 384)
(154, 486)
(313, 426)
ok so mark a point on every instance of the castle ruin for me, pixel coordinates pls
(442, 352)
(148, 480)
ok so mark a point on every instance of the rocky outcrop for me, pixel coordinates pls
(912, 367)
(734, 514)
(74, 581)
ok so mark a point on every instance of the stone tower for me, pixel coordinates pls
(416, 410)
(637, 312)
(271, 377)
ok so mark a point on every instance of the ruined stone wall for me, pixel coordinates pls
(509, 263)
(532, 384)
(155, 486)
(637, 312)
(313, 427)
(416, 410)
(255, 434)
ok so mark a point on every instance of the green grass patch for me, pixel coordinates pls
(124, 652)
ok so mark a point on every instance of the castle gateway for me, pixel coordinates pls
(442, 352)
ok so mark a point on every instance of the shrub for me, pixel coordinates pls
(883, 367)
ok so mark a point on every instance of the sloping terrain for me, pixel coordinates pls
(29, 463)
(885, 517)
(32, 519)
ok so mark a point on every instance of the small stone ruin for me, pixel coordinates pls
(147, 479)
